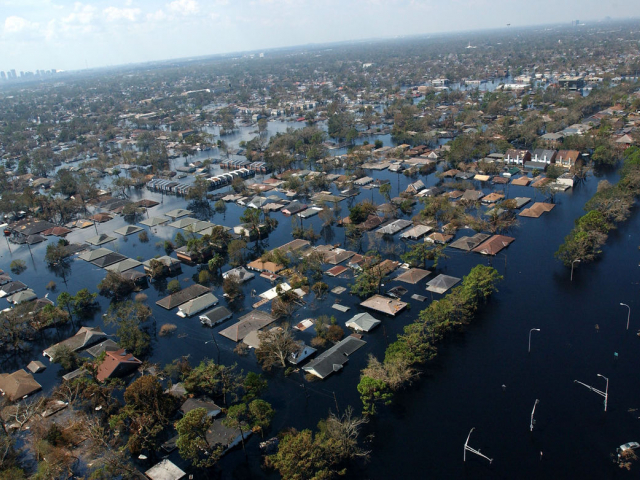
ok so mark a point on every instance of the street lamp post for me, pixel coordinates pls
(532, 330)
(604, 394)
(572, 263)
(533, 413)
(467, 448)
(628, 315)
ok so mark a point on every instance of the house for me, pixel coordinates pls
(198, 255)
(212, 409)
(568, 158)
(100, 239)
(18, 385)
(415, 187)
(85, 337)
(442, 283)
(215, 316)
(165, 470)
(254, 320)
(241, 274)
(128, 230)
(334, 359)
(566, 179)
(382, 304)
(416, 232)
(517, 157)
(197, 305)
(542, 155)
(11, 287)
(394, 227)
(304, 351)
(219, 435)
(363, 322)
(438, 237)
(123, 266)
(183, 296)
(469, 243)
(413, 275)
(170, 265)
(91, 255)
(493, 245)
(108, 259)
(260, 266)
(21, 297)
(294, 207)
(116, 364)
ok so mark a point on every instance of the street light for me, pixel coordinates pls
(628, 315)
(467, 448)
(533, 413)
(604, 394)
(532, 330)
(572, 263)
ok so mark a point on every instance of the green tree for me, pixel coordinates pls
(128, 317)
(174, 286)
(216, 263)
(192, 439)
(373, 391)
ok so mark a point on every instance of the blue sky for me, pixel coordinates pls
(44, 34)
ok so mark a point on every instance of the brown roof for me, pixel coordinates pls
(253, 320)
(493, 197)
(116, 363)
(337, 270)
(182, 296)
(537, 209)
(413, 275)
(18, 384)
(261, 266)
(493, 245)
(523, 181)
(383, 304)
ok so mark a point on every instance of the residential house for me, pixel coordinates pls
(116, 364)
(18, 385)
(542, 155)
(334, 359)
(568, 158)
(85, 337)
(517, 157)
(197, 305)
(294, 207)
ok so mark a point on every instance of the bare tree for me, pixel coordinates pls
(20, 413)
(275, 346)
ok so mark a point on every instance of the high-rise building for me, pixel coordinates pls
(3, 76)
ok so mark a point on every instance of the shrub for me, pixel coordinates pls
(18, 266)
(143, 236)
(141, 297)
(51, 285)
(204, 276)
(167, 329)
(174, 286)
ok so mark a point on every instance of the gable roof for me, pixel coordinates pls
(116, 363)
(383, 304)
(197, 304)
(123, 266)
(468, 243)
(364, 322)
(493, 245)
(85, 337)
(334, 358)
(253, 320)
(171, 301)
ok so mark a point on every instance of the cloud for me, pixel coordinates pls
(184, 7)
(16, 24)
(83, 14)
(157, 16)
(114, 14)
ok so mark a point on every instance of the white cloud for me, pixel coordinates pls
(157, 16)
(184, 7)
(83, 14)
(14, 24)
(114, 14)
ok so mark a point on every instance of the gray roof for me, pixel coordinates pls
(241, 273)
(469, 243)
(22, 296)
(182, 296)
(165, 470)
(197, 304)
(183, 222)
(85, 337)
(215, 316)
(11, 287)
(91, 255)
(154, 221)
(253, 320)
(124, 265)
(100, 239)
(363, 322)
(109, 259)
(128, 230)
(335, 358)
(177, 213)
(442, 283)
(394, 227)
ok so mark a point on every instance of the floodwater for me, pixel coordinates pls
(582, 326)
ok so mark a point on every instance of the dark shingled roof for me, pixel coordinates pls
(182, 296)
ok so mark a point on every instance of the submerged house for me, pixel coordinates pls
(85, 337)
(363, 322)
(117, 363)
(335, 358)
(18, 385)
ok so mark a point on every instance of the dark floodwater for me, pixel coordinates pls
(423, 433)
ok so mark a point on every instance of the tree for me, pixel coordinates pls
(276, 345)
(128, 317)
(174, 286)
(368, 281)
(236, 252)
(192, 439)
(385, 191)
(421, 253)
(146, 412)
(56, 253)
(231, 286)
(216, 263)
(115, 286)
(371, 392)
(220, 206)
(18, 266)
(84, 301)
(67, 358)
(251, 217)
(214, 380)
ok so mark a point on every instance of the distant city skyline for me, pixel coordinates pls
(67, 35)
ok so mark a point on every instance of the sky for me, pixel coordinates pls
(72, 35)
